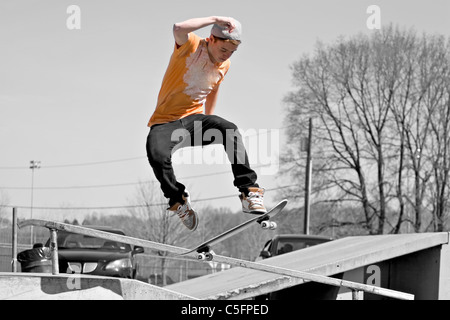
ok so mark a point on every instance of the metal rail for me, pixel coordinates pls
(305, 276)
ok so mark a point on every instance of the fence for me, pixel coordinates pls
(175, 269)
(151, 268)
(24, 243)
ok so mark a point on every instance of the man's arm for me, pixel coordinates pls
(182, 29)
(211, 101)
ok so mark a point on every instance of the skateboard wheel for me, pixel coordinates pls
(265, 224)
(201, 256)
(273, 225)
(208, 256)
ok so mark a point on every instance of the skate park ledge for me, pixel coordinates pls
(40, 286)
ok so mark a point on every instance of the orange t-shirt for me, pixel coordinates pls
(189, 79)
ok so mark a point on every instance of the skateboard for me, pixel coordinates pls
(204, 251)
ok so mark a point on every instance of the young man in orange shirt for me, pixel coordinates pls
(186, 103)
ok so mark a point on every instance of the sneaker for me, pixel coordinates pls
(253, 202)
(186, 213)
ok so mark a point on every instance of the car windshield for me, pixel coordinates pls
(288, 245)
(68, 240)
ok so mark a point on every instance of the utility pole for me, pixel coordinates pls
(33, 165)
(14, 241)
(308, 173)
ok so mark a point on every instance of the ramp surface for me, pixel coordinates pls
(39, 286)
(326, 259)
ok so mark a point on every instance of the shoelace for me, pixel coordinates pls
(183, 214)
(255, 198)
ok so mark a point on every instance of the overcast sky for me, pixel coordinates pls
(79, 100)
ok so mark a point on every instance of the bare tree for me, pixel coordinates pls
(4, 201)
(373, 98)
(441, 169)
(157, 224)
(420, 115)
(440, 161)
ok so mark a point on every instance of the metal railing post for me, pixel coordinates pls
(54, 251)
(357, 295)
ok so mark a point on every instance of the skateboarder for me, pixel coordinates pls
(186, 103)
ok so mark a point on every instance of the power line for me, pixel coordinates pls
(135, 205)
(93, 163)
(130, 183)
(77, 187)
(116, 160)
(83, 164)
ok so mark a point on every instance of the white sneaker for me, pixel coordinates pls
(186, 213)
(254, 202)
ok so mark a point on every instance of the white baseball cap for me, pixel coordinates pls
(222, 32)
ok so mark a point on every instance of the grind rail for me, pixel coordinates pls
(54, 227)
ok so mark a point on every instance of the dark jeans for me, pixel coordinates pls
(196, 130)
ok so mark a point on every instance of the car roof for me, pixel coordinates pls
(302, 236)
(104, 228)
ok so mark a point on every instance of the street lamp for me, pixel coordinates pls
(33, 165)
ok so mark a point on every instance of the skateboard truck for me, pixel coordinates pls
(203, 251)
(205, 254)
(266, 224)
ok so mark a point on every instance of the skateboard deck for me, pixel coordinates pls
(204, 249)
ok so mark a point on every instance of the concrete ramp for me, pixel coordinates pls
(417, 257)
(39, 286)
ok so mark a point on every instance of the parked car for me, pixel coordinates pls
(157, 280)
(284, 243)
(94, 256)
